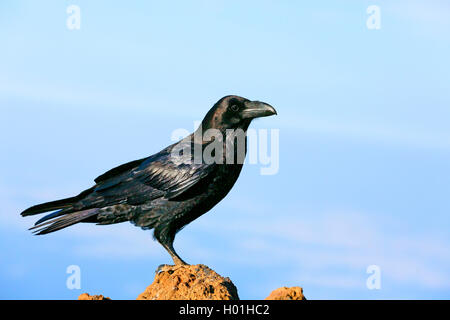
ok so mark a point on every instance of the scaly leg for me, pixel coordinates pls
(175, 257)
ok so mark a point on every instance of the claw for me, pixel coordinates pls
(161, 268)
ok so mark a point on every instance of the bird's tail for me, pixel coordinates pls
(55, 205)
(43, 226)
(67, 213)
(49, 206)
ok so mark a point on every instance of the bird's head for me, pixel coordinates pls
(234, 112)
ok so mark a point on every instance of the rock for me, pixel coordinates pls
(285, 293)
(86, 296)
(189, 282)
(197, 282)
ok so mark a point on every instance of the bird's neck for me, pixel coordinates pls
(232, 143)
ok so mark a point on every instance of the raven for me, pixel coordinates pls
(169, 189)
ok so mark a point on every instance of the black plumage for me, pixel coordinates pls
(167, 190)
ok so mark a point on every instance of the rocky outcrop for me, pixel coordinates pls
(197, 282)
(285, 293)
(87, 296)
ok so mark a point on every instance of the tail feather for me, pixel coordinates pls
(49, 206)
(55, 205)
(56, 214)
(63, 222)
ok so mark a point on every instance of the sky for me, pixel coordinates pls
(364, 141)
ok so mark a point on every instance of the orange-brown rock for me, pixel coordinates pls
(189, 282)
(285, 293)
(86, 296)
(197, 282)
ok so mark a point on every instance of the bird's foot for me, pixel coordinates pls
(169, 267)
(163, 267)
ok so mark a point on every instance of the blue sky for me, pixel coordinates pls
(364, 141)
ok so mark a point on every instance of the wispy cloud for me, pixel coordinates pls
(431, 15)
(335, 248)
(401, 135)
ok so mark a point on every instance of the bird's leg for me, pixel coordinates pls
(175, 257)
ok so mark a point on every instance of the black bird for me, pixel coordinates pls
(169, 189)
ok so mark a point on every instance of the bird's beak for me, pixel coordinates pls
(257, 109)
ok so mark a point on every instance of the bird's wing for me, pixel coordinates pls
(119, 170)
(161, 175)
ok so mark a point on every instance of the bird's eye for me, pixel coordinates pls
(235, 108)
